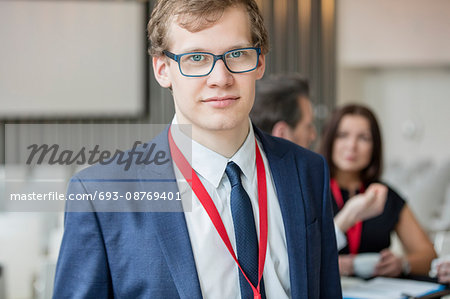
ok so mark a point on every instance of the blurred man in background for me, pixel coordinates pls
(283, 109)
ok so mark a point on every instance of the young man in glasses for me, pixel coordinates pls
(260, 225)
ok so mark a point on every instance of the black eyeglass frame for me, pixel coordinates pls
(177, 58)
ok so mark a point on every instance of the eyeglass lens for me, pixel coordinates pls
(198, 64)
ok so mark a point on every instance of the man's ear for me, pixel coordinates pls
(261, 67)
(161, 71)
(281, 129)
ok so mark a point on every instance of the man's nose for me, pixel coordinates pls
(220, 75)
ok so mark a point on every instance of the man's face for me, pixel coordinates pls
(304, 132)
(221, 100)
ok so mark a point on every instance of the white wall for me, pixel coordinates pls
(394, 33)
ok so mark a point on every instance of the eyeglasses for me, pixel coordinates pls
(199, 64)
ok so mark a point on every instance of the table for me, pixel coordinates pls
(381, 287)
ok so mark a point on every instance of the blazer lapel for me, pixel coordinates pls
(176, 247)
(172, 230)
(287, 184)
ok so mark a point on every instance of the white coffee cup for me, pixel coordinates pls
(364, 264)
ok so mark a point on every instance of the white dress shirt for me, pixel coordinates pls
(217, 271)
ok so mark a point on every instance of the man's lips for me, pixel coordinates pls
(221, 102)
(218, 99)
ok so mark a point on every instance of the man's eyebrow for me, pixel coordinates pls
(188, 50)
(240, 46)
(197, 49)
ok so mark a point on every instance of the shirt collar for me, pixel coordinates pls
(245, 156)
(211, 165)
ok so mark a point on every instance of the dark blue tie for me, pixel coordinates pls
(244, 231)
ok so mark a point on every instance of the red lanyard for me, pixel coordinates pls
(354, 232)
(208, 204)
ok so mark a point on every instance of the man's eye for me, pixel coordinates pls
(197, 57)
(236, 54)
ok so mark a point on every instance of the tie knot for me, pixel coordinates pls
(234, 173)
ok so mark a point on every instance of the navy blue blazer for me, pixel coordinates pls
(149, 255)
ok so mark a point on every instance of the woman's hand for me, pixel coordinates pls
(443, 272)
(346, 264)
(374, 204)
(389, 265)
(362, 206)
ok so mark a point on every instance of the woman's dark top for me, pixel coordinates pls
(376, 232)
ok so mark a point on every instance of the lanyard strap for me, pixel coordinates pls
(354, 232)
(208, 204)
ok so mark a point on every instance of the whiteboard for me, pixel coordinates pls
(72, 59)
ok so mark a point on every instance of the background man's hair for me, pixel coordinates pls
(277, 100)
(195, 15)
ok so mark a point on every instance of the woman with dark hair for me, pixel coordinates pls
(366, 210)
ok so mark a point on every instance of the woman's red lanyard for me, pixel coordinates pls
(208, 204)
(354, 232)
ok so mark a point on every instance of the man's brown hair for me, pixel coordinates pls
(196, 15)
(276, 100)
